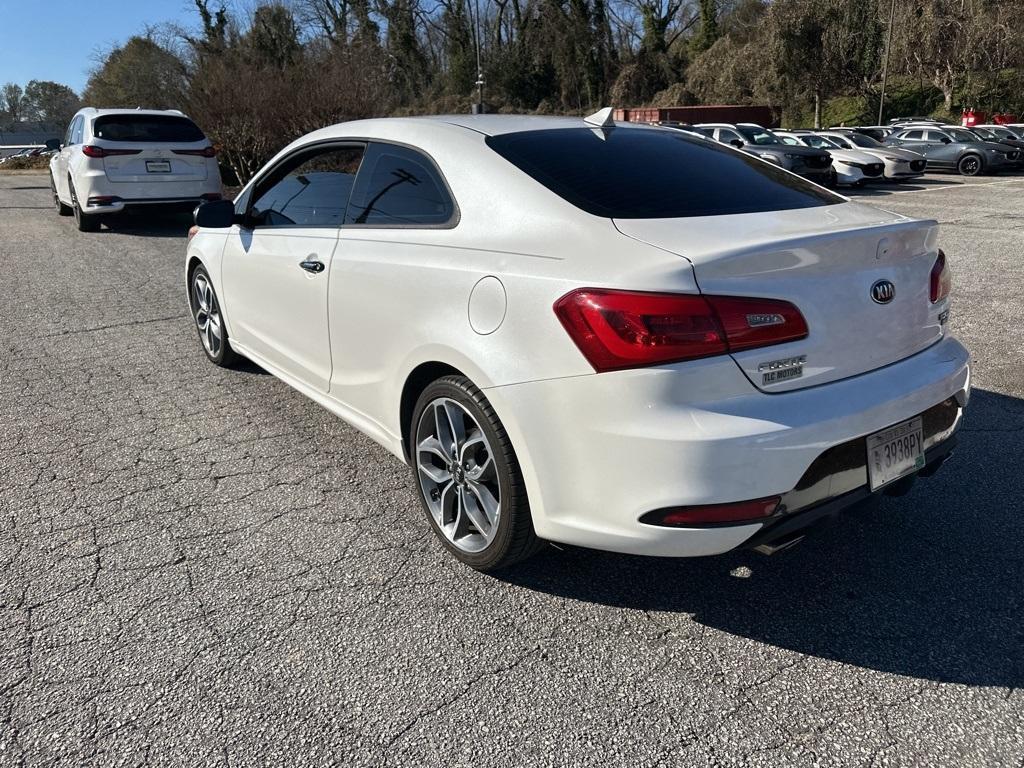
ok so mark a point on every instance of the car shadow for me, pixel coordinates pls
(245, 365)
(881, 190)
(929, 585)
(149, 224)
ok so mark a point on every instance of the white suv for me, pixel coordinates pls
(114, 158)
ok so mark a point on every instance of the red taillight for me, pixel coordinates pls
(751, 323)
(714, 513)
(90, 150)
(204, 152)
(942, 280)
(630, 329)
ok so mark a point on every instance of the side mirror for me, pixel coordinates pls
(53, 144)
(215, 214)
(736, 143)
(945, 139)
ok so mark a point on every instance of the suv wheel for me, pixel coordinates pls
(62, 210)
(85, 221)
(970, 165)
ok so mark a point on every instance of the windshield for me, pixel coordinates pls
(159, 128)
(1004, 133)
(820, 142)
(860, 140)
(639, 173)
(985, 133)
(758, 135)
(962, 134)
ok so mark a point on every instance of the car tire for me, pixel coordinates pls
(970, 165)
(62, 209)
(209, 319)
(86, 222)
(473, 496)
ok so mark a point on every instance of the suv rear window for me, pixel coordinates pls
(160, 128)
(637, 173)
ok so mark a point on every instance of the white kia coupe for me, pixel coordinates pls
(613, 336)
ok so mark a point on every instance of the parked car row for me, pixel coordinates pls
(859, 154)
(28, 152)
(828, 159)
(968, 151)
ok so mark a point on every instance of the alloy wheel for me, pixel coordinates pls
(207, 314)
(458, 475)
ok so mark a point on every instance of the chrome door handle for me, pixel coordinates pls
(312, 265)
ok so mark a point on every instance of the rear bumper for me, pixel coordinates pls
(788, 528)
(117, 196)
(169, 203)
(599, 451)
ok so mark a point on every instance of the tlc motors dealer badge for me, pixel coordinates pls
(788, 368)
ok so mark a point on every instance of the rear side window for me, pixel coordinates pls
(912, 135)
(398, 186)
(636, 173)
(159, 128)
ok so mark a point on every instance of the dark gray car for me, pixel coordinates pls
(1001, 136)
(813, 164)
(952, 148)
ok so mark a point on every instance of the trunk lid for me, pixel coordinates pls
(825, 260)
(155, 164)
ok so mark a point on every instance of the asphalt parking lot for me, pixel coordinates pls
(203, 567)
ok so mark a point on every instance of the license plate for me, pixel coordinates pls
(895, 452)
(158, 166)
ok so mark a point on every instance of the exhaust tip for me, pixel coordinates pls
(774, 547)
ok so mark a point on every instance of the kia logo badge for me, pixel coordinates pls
(883, 292)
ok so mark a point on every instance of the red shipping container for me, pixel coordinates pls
(721, 113)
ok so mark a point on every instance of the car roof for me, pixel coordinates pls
(94, 112)
(488, 125)
(440, 125)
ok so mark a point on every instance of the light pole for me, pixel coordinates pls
(885, 65)
(478, 108)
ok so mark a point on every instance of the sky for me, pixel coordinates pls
(59, 39)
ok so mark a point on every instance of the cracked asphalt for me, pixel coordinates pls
(201, 567)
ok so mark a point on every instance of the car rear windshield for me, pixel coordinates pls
(637, 173)
(161, 128)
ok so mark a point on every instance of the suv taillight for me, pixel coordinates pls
(941, 279)
(204, 152)
(90, 150)
(632, 329)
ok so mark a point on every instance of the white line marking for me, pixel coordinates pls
(957, 186)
